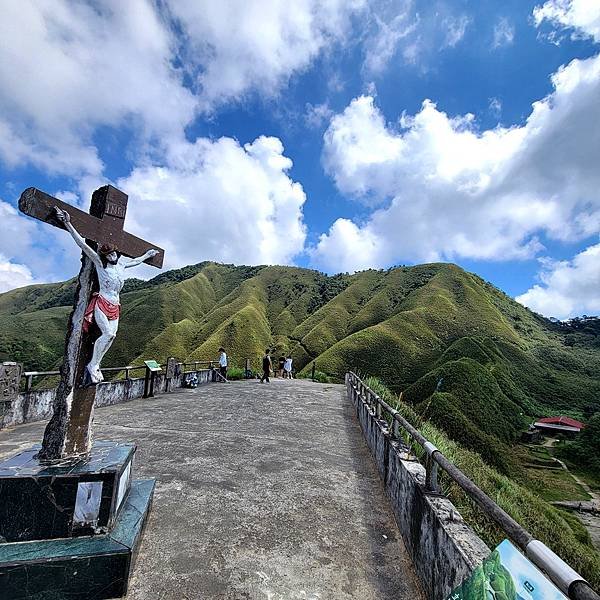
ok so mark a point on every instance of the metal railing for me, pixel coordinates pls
(29, 375)
(196, 365)
(566, 579)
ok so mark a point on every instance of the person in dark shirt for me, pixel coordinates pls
(266, 366)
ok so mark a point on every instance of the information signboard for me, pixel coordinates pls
(506, 574)
(152, 365)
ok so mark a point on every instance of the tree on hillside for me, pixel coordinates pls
(585, 450)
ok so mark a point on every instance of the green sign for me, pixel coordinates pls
(506, 574)
(152, 365)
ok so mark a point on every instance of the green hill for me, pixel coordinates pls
(470, 358)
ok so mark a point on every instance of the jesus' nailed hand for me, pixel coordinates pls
(104, 307)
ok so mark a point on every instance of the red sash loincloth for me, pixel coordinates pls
(112, 311)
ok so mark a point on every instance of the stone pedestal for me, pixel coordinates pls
(71, 528)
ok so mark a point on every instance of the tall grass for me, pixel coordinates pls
(559, 530)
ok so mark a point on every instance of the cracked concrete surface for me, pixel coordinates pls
(263, 492)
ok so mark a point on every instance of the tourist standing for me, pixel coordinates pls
(287, 368)
(266, 366)
(223, 363)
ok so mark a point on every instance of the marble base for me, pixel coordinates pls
(78, 568)
(68, 498)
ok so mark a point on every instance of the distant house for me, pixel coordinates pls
(559, 425)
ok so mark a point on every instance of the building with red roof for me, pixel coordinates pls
(560, 424)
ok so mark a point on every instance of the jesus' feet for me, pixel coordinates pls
(94, 374)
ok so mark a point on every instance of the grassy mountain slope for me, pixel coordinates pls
(559, 530)
(470, 364)
(470, 359)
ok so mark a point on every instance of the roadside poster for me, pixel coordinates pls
(506, 574)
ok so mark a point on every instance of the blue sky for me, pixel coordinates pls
(336, 135)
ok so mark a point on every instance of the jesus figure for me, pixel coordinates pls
(104, 308)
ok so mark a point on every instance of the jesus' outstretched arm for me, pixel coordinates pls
(134, 262)
(64, 217)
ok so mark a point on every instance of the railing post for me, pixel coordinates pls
(312, 375)
(431, 469)
(28, 382)
(127, 371)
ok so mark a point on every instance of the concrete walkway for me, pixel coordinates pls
(263, 492)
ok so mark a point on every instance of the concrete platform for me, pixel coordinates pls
(263, 492)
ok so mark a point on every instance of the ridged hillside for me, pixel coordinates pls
(471, 359)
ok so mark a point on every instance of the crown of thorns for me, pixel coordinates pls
(106, 249)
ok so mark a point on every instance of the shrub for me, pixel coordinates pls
(235, 373)
(320, 377)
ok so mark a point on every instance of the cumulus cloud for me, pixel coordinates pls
(81, 67)
(147, 70)
(582, 16)
(13, 275)
(218, 200)
(504, 33)
(445, 189)
(239, 47)
(346, 248)
(568, 288)
(209, 200)
(31, 251)
(68, 68)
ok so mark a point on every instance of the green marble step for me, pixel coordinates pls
(78, 568)
(69, 498)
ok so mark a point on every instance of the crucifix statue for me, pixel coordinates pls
(102, 239)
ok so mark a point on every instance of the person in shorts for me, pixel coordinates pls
(287, 368)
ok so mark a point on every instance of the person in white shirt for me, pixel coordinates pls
(287, 367)
(223, 363)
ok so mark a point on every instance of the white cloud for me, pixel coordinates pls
(504, 33)
(346, 248)
(448, 190)
(389, 31)
(495, 107)
(217, 200)
(67, 68)
(211, 200)
(456, 28)
(240, 47)
(13, 275)
(31, 251)
(583, 16)
(569, 288)
(316, 115)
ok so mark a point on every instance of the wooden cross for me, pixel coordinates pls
(68, 433)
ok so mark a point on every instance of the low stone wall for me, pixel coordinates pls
(36, 405)
(444, 549)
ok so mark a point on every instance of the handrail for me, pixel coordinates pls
(566, 578)
(29, 375)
